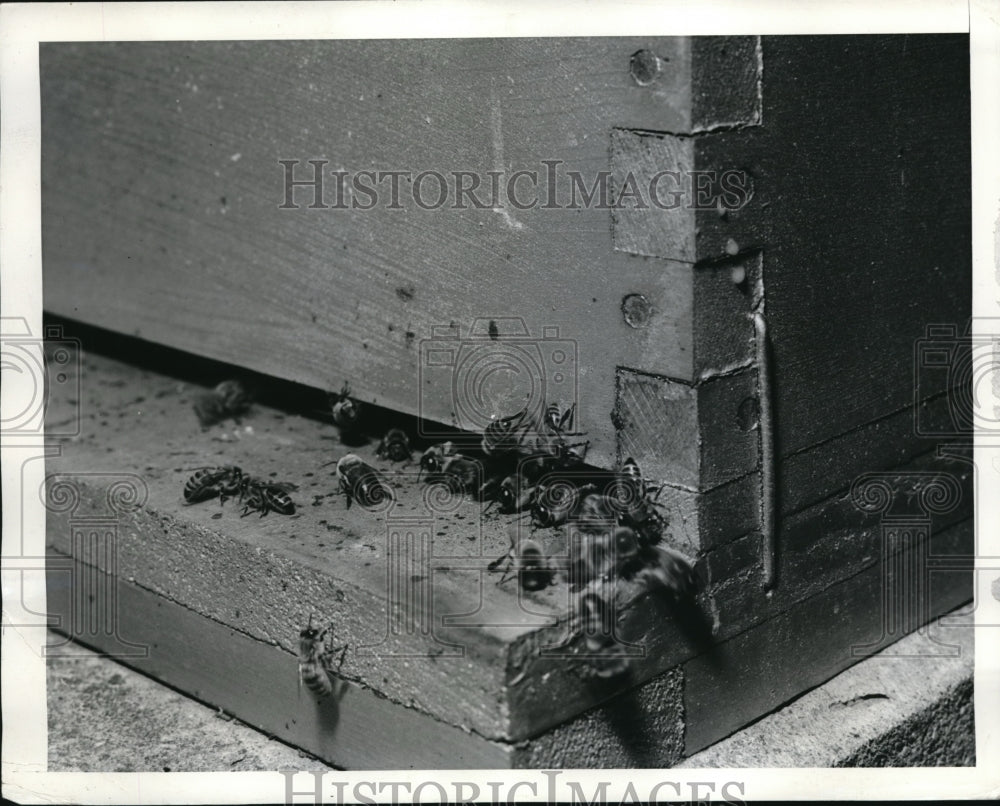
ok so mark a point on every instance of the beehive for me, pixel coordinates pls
(756, 353)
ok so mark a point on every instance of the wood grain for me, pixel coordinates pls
(258, 682)
(161, 180)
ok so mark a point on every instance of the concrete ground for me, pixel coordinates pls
(908, 706)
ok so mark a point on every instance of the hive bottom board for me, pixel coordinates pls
(654, 725)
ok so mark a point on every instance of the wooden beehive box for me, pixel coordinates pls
(756, 350)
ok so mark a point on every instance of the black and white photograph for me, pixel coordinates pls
(427, 402)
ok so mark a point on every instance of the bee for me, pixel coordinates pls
(557, 500)
(670, 573)
(361, 482)
(263, 497)
(463, 475)
(432, 459)
(210, 482)
(513, 496)
(395, 446)
(506, 434)
(345, 409)
(531, 566)
(556, 422)
(228, 399)
(607, 554)
(315, 660)
(606, 655)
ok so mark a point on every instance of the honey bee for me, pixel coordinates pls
(606, 656)
(434, 457)
(361, 482)
(395, 446)
(527, 559)
(228, 399)
(315, 658)
(463, 475)
(669, 573)
(533, 572)
(608, 554)
(556, 500)
(506, 434)
(513, 496)
(345, 409)
(263, 497)
(634, 499)
(209, 482)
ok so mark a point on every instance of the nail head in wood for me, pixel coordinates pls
(644, 67)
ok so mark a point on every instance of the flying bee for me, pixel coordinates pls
(595, 554)
(315, 660)
(606, 655)
(263, 497)
(395, 446)
(361, 482)
(506, 434)
(228, 399)
(670, 573)
(345, 409)
(210, 482)
(531, 566)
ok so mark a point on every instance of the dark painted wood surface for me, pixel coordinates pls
(861, 177)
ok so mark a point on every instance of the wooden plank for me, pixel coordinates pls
(689, 435)
(354, 729)
(265, 576)
(163, 182)
(759, 670)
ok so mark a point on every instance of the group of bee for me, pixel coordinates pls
(229, 481)
(612, 521)
(533, 466)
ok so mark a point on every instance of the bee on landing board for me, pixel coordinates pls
(209, 482)
(434, 457)
(345, 409)
(264, 496)
(361, 482)
(228, 399)
(395, 446)
(315, 660)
